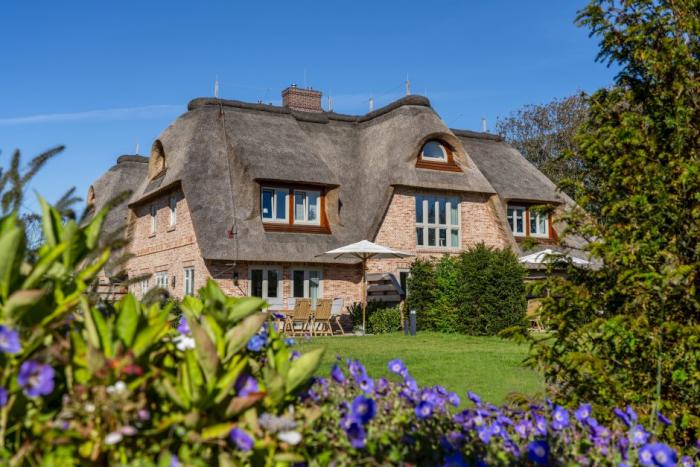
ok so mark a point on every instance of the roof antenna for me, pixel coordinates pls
(137, 149)
(216, 87)
(408, 86)
(330, 103)
(484, 128)
(371, 104)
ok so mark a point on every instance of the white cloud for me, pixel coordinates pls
(147, 111)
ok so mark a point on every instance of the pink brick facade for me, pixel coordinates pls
(171, 249)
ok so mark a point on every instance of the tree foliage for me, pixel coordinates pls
(544, 135)
(628, 333)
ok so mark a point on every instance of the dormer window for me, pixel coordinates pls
(293, 209)
(437, 155)
(434, 151)
(527, 221)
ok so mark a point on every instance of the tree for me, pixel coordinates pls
(544, 135)
(627, 333)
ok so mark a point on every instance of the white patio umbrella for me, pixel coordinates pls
(365, 250)
(548, 256)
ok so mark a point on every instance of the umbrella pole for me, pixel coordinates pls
(364, 295)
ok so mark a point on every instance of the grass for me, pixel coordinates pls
(488, 366)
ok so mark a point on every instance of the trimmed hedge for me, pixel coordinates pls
(480, 292)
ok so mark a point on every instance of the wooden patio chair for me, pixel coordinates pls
(336, 311)
(533, 315)
(301, 315)
(321, 323)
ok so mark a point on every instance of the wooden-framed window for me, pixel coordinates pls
(154, 212)
(307, 283)
(293, 208)
(437, 155)
(437, 222)
(266, 282)
(188, 280)
(173, 210)
(516, 219)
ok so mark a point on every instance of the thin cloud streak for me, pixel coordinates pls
(147, 111)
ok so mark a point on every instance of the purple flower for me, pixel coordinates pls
(646, 455)
(560, 418)
(538, 452)
(638, 435)
(686, 461)
(583, 412)
(455, 460)
(411, 384)
(631, 414)
(663, 454)
(474, 398)
(397, 366)
(241, 439)
(540, 425)
(424, 409)
(9, 341)
(246, 385)
(36, 378)
(382, 386)
(294, 355)
(454, 399)
(257, 342)
(622, 416)
(663, 419)
(522, 428)
(485, 434)
(366, 384)
(355, 432)
(364, 409)
(183, 327)
(3, 397)
(357, 370)
(337, 374)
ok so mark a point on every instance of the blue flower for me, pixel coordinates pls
(424, 409)
(397, 366)
(3, 397)
(9, 341)
(183, 326)
(485, 434)
(686, 461)
(663, 419)
(246, 385)
(357, 370)
(538, 452)
(290, 341)
(241, 439)
(366, 384)
(364, 409)
(382, 386)
(294, 355)
(355, 432)
(631, 414)
(337, 374)
(522, 428)
(256, 343)
(540, 425)
(560, 418)
(638, 435)
(663, 455)
(454, 399)
(455, 460)
(622, 416)
(583, 412)
(646, 455)
(36, 378)
(474, 398)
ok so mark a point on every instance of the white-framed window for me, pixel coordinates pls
(188, 282)
(539, 223)
(143, 285)
(306, 206)
(162, 279)
(403, 279)
(307, 283)
(434, 151)
(516, 219)
(273, 204)
(437, 222)
(154, 212)
(173, 210)
(266, 282)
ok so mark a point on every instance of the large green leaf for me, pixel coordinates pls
(147, 337)
(303, 368)
(46, 261)
(245, 307)
(104, 330)
(128, 319)
(92, 230)
(204, 347)
(239, 335)
(11, 252)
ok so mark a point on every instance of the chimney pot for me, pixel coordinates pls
(303, 100)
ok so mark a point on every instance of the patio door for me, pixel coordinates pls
(266, 282)
(306, 283)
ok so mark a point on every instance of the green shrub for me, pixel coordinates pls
(480, 292)
(384, 320)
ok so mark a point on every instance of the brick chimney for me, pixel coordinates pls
(303, 100)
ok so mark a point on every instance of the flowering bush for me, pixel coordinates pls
(85, 384)
(353, 419)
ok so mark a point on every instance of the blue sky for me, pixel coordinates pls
(102, 77)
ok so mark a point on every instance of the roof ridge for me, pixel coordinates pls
(476, 134)
(132, 158)
(319, 117)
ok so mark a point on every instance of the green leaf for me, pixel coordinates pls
(147, 337)
(22, 300)
(11, 252)
(303, 368)
(217, 431)
(128, 319)
(244, 307)
(204, 347)
(92, 230)
(239, 335)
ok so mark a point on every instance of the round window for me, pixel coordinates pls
(434, 151)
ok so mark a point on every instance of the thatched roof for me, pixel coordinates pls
(219, 151)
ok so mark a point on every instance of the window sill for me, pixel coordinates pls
(298, 228)
(434, 249)
(171, 229)
(152, 235)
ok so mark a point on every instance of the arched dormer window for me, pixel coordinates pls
(437, 155)
(156, 164)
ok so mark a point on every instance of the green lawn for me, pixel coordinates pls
(489, 366)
